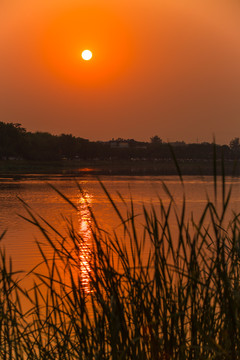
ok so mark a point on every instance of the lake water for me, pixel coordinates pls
(20, 239)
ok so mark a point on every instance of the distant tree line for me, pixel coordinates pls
(17, 143)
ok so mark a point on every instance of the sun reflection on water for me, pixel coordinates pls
(85, 244)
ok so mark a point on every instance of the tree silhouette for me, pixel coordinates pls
(156, 139)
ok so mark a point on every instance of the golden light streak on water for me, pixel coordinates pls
(85, 244)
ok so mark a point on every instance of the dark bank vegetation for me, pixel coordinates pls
(155, 292)
(23, 153)
(17, 143)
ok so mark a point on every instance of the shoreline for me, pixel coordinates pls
(21, 169)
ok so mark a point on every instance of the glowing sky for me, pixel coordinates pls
(165, 67)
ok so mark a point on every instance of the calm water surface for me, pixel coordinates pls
(21, 235)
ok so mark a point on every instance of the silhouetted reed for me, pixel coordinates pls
(153, 293)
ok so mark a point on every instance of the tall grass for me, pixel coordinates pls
(154, 292)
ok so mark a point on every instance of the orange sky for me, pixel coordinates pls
(159, 67)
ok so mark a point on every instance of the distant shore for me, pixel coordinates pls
(19, 169)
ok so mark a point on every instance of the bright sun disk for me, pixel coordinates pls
(86, 55)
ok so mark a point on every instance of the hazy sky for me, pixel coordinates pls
(165, 67)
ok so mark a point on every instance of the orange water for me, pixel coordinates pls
(21, 236)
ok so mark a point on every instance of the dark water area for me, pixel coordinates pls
(21, 169)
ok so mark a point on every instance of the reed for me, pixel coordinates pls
(154, 292)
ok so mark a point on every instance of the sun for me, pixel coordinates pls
(86, 55)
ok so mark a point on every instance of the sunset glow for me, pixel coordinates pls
(119, 179)
(156, 68)
(86, 55)
(96, 28)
